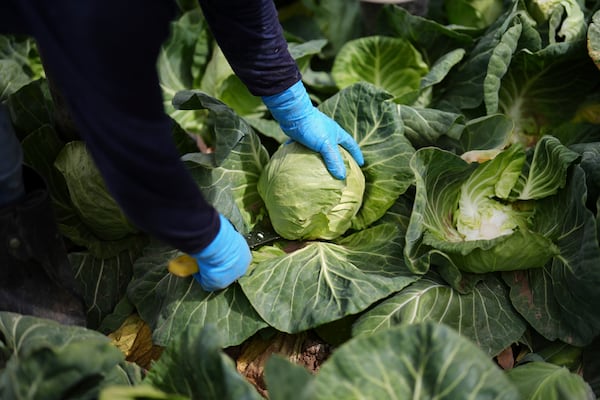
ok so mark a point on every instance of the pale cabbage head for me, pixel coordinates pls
(487, 220)
(303, 200)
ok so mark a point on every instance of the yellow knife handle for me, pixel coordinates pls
(183, 266)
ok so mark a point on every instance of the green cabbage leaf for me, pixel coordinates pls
(483, 216)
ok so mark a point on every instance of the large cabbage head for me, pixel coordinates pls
(303, 200)
(503, 214)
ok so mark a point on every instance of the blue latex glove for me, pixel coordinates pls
(224, 260)
(304, 123)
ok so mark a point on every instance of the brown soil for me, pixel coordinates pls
(305, 349)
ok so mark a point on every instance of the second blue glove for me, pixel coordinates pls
(224, 260)
(304, 123)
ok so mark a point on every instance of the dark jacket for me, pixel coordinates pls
(102, 56)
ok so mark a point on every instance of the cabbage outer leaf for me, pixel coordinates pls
(452, 197)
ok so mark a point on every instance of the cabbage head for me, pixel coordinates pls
(303, 200)
(502, 214)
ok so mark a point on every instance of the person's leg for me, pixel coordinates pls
(11, 20)
(11, 159)
(35, 275)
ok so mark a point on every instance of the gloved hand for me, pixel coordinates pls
(304, 123)
(224, 260)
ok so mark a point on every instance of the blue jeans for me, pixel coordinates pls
(11, 160)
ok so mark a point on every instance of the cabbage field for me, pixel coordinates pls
(464, 262)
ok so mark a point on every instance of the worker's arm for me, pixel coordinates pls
(249, 33)
(102, 57)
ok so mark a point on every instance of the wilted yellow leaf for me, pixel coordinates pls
(302, 349)
(134, 339)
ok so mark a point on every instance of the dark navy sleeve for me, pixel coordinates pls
(102, 55)
(249, 33)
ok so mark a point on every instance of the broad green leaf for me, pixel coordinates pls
(217, 71)
(171, 304)
(79, 233)
(465, 89)
(286, 381)
(184, 54)
(96, 207)
(119, 314)
(494, 178)
(546, 381)
(547, 172)
(485, 315)
(498, 65)
(560, 300)
(529, 93)
(391, 64)
(473, 13)
(593, 39)
(576, 131)
(226, 126)
(181, 63)
(434, 40)
(557, 353)
(322, 282)
(461, 281)
(19, 64)
(430, 127)
(370, 117)
(103, 281)
(220, 82)
(232, 186)
(320, 81)
(421, 361)
(439, 70)
(303, 52)
(13, 77)
(40, 149)
(591, 365)
(53, 361)
(75, 372)
(504, 253)
(567, 22)
(185, 142)
(435, 203)
(126, 373)
(195, 366)
(236, 95)
(268, 127)
(338, 21)
(31, 108)
(487, 132)
(140, 392)
(590, 163)
(399, 212)
(22, 335)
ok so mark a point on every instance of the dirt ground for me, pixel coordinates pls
(306, 349)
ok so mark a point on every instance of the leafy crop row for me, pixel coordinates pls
(411, 307)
